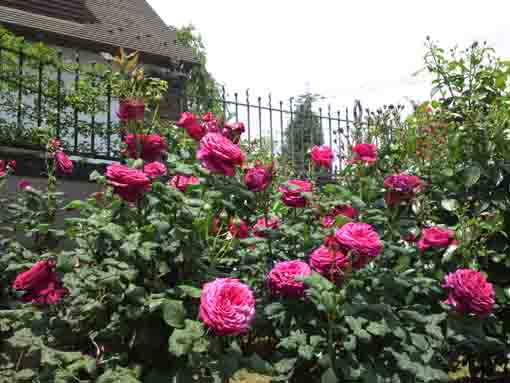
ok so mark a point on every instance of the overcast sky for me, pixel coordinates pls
(345, 50)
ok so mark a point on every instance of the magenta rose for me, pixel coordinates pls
(436, 237)
(182, 182)
(360, 241)
(282, 278)
(401, 187)
(330, 263)
(40, 284)
(190, 122)
(64, 163)
(131, 110)
(364, 153)
(239, 228)
(219, 154)
(322, 156)
(233, 131)
(128, 183)
(155, 170)
(6, 166)
(23, 184)
(262, 225)
(227, 306)
(152, 146)
(292, 193)
(469, 292)
(345, 210)
(259, 177)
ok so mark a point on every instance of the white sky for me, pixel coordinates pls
(345, 50)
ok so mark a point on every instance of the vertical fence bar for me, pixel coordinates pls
(224, 102)
(347, 129)
(59, 92)
(20, 90)
(260, 121)
(281, 127)
(329, 127)
(302, 137)
(248, 115)
(271, 125)
(109, 114)
(340, 138)
(236, 106)
(321, 135)
(76, 89)
(291, 131)
(93, 115)
(39, 92)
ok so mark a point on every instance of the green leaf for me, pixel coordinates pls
(190, 291)
(181, 341)
(65, 263)
(174, 313)
(116, 232)
(74, 205)
(329, 376)
(471, 176)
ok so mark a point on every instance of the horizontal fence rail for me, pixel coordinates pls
(77, 101)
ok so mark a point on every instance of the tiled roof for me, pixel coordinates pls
(131, 24)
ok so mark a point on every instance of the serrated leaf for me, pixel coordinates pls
(450, 204)
(471, 176)
(190, 291)
(174, 313)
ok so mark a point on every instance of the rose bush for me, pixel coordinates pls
(183, 268)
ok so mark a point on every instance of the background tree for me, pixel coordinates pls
(303, 131)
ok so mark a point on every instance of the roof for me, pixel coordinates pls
(131, 24)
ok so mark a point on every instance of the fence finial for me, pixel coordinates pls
(357, 111)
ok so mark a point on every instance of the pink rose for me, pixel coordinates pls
(152, 146)
(360, 241)
(365, 153)
(227, 306)
(154, 170)
(131, 110)
(208, 117)
(219, 154)
(259, 177)
(239, 228)
(282, 278)
(322, 156)
(292, 193)
(64, 163)
(23, 184)
(182, 182)
(40, 284)
(330, 263)
(345, 210)
(190, 122)
(469, 292)
(401, 187)
(262, 225)
(6, 166)
(233, 131)
(436, 237)
(129, 184)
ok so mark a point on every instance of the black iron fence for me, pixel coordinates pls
(76, 99)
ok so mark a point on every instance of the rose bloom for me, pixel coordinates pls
(152, 146)
(227, 306)
(239, 228)
(360, 241)
(262, 225)
(129, 184)
(41, 285)
(401, 187)
(23, 184)
(322, 156)
(6, 166)
(329, 262)
(436, 237)
(293, 196)
(190, 122)
(154, 170)
(365, 153)
(345, 210)
(219, 155)
(233, 131)
(282, 278)
(131, 110)
(259, 177)
(182, 182)
(64, 163)
(469, 292)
